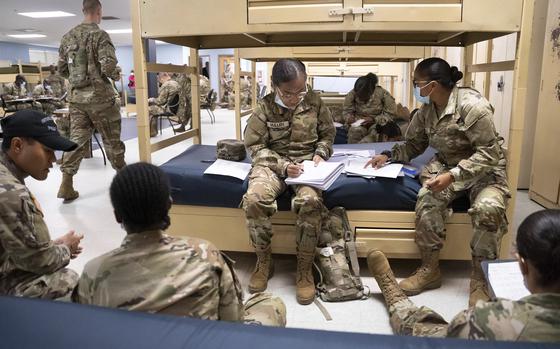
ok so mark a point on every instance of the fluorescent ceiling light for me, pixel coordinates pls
(47, 14)
(119, 31)
(27, 36)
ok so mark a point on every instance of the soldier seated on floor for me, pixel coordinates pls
(158, 273)
(31, 264)
(532, 318)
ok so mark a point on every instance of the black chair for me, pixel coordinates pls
(5, 106)
(171, 109)
(208, 106)
(262, 93)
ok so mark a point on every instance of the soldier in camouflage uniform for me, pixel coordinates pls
(87, 58)
(17, 90)
(288, 126)
(227, 86)
(31, 264)
(58, 86)
(458, 123)
(168, 90)
(246, 93)
(157, 273)
(370, 102)
(48, 105)
(532, 318)
(185, 104)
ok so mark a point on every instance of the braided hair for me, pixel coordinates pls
(365, 85)
(286, 70)
(538, 240)
(140, 197)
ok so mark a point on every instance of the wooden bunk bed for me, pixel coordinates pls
(396, 24)
(33, 72)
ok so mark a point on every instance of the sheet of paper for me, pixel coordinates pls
(388, 171)
(322, 176)
(229, 168)
(506, 280)
(353, 153)
(358, 122)
(337, 124)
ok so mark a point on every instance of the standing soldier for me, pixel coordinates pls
(227, 85)
(368, 102)
(31, 264)
(288, 126)
(87, 58)
(458, 124)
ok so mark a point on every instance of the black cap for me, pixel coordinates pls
(34, 124)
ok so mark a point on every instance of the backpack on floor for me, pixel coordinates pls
(336, 260)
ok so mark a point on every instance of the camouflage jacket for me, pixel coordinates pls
(381, 107)
(12, 91)
(157, 273)
(464, 136)
(166, 92)
(101, 60)
(533, 318)
(57, 83)
(40, 90)
(276, 136)
(25, 244)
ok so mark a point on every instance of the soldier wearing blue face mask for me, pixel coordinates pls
(289, 125)
(458, 123)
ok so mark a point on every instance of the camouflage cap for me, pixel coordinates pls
(231, 149)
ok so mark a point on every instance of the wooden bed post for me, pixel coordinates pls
(468, 61)
(254, 86)
(520, 81)
(237, 89)
(142, 115)
(488, 76)
(195, 95)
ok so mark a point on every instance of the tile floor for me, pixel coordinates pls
(92, 215)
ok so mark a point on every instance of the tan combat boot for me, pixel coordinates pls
(378, 265)
(305, 285)
(263, 271)
(478, 286)
(426, 277)
(66, 190)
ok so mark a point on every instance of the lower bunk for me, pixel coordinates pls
(381, 211)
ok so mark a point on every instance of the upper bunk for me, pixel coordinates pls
(266, 23)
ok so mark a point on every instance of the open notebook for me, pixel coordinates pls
(321, 177)
(505, 279)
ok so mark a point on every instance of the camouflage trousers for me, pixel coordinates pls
(259, 204)
(264, 309)
(63, 125)
(58, 285)
(488, 197)
(84, 118)
(12, 107)
(409, 320)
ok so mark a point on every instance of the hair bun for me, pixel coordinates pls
(456, 74)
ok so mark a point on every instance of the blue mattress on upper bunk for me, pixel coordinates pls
(190, 186)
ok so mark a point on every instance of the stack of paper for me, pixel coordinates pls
(506, 280)
(321, 177)
(352, 153)
(229, 168)
(356, 168)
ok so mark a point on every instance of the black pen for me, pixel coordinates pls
(207, 161)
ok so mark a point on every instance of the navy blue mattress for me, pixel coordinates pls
(190, 186)
(32, 323)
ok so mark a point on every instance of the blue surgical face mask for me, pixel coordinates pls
(420, 98)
